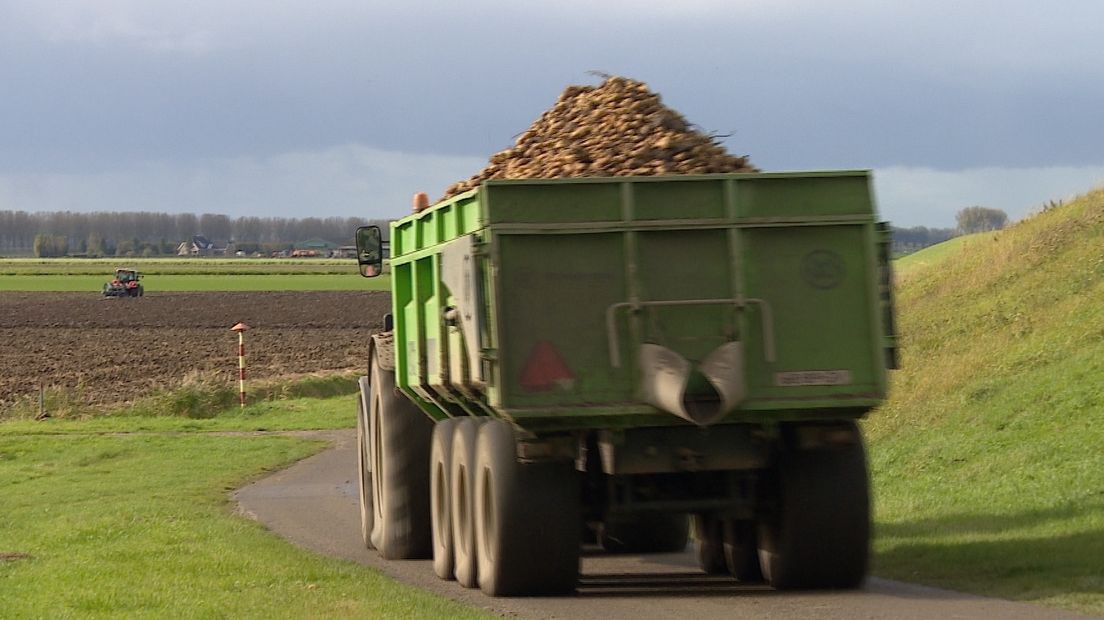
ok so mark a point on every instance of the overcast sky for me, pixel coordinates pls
(347, 107)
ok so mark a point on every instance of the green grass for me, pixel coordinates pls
(988, 459)
(201, 282)
(140, 525)
(175, 266)
(281, 415)
(935, 254)
(188, 274)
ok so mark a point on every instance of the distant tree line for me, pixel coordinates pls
(58, 233)
(909, 240)
(970, 220)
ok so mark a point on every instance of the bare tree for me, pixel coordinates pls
(980, 219)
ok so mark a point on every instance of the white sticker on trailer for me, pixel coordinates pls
(812, 377)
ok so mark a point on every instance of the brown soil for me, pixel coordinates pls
(114, 350)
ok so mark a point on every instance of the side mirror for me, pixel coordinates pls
(369, 244)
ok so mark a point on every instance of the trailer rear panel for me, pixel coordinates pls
(591, 303)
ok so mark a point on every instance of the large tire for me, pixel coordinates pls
(364, 460)
(400, 437)
(647, 532)
(527, 519)
(818, 534)
(710, 547)
(462, 502)
(740, 550)
(440, 463)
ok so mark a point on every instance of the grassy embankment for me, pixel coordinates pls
(137, 523)
(935, 254)
(988, 460)
(188, 274)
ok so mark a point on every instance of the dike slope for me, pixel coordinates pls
(988, 459)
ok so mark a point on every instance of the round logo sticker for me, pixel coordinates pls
(822, 269)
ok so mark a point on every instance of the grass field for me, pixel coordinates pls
(987, 461)
(138, 524)
(184, 274)
(176, 266)
(933, 255)
(154, 284)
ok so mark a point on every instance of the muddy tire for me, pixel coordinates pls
(440, 463)
(818, 534)
(364, 472)
(527, 519)
(710, 547)
(462, 502)
(645, 533)
(400, 436)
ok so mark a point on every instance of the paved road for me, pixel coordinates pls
(314, 505)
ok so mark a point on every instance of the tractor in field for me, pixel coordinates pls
(125, 284)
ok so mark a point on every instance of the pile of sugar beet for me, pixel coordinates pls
(618, 128)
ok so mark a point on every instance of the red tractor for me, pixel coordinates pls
(125, 284)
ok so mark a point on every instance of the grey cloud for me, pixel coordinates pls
(102, 86)
(349, 180)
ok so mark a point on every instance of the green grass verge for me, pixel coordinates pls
(278, 415)
(987, 460)
(140, 525)
(197, 397)
(175, 266)
(934, 254)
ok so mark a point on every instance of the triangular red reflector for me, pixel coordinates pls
(545, 369)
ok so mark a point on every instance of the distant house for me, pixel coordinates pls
(200, 246)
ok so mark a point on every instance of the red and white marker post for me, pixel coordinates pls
(240, 328)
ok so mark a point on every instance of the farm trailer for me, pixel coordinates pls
(616, 358)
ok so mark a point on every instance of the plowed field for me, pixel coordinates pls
(114, 350)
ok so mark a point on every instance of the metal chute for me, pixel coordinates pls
(666, 376)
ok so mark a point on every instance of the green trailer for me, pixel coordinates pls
(612, 360)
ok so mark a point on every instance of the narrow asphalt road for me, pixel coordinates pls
(314, 505)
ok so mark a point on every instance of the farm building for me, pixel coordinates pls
(349, 251)
(320, 246)
(199, 245)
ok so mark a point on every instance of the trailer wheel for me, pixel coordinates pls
(740, 550)
(527, 517)
(707, 533)
(440, 462)
(400, 434)
(364, 473)
(462, 501)
(818, 535)
(649, 532)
